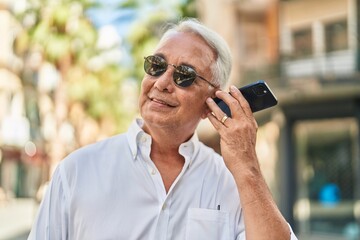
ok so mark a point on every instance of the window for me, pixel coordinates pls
(336, 36)
(302, 40)
(326, 163)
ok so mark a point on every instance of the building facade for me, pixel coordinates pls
(308, 145)
(320, 64)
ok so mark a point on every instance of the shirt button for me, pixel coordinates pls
(153, 172)
(164, 206)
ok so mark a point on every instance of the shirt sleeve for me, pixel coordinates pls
(292, 235)
(51, 219)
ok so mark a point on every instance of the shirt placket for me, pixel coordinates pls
(165, 199)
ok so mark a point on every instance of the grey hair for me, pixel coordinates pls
(222, 67)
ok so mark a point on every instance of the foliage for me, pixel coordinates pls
(147, 29)
(67, 38)
(59, 28)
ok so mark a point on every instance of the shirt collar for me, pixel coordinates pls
(136, 135)
(189, 149)
(133, 135)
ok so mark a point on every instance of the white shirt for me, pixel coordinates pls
(112, 190)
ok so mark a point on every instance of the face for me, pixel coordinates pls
(165, 105)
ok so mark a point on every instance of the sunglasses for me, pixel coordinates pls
(183, 75)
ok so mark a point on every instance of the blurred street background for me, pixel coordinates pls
(70, 72)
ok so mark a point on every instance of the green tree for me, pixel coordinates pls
(148, 27)
(88, 92)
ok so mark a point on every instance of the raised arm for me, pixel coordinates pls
(262, 217)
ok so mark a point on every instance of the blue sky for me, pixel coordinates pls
(109, 14)
(122, 19)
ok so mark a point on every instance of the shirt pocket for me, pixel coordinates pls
(207, 224)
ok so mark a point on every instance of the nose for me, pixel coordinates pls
(165, 81)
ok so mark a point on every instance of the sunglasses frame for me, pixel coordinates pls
(177, 70)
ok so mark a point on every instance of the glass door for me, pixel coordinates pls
(327, 165)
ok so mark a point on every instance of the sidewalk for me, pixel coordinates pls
(16, 217)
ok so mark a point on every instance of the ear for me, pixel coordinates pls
(206, 111)
(213, 95)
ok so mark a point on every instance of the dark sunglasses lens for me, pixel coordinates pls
(184, 76)
(155, 65)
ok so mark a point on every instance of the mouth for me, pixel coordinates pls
(166, 103)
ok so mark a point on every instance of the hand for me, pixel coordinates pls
(238, 133)
(262, 218)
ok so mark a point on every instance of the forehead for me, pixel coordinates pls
(187, 47)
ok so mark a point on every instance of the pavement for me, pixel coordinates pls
(16, 218)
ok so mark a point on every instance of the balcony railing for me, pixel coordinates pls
(340, 63)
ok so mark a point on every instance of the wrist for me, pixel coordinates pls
(243, 165)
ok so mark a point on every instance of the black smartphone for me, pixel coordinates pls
(258, 95)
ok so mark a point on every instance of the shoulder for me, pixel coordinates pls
(210, 153)
(98, 147)
(210, 159)
(96, 152)
(96, 159)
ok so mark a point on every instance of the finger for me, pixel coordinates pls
(231, 101)
(215, 109)
(244, 105)
(215, 122)
(216, 113)
(224, 118)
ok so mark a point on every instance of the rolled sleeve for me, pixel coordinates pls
(292, 235)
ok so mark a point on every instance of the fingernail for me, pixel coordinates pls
(233, 88)
(208, 100)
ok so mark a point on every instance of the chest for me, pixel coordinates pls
(129, 202)
(169, 169)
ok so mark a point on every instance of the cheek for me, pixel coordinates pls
(146, 85)
(144, 90)
(196, 105)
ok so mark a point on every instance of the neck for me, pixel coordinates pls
(167, 140)
(165, 152)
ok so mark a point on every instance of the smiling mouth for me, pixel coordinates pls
(162, 102)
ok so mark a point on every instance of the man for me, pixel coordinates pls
(157, 181)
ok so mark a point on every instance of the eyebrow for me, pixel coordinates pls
(160, 55)
(188, 65)
(181, 64)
